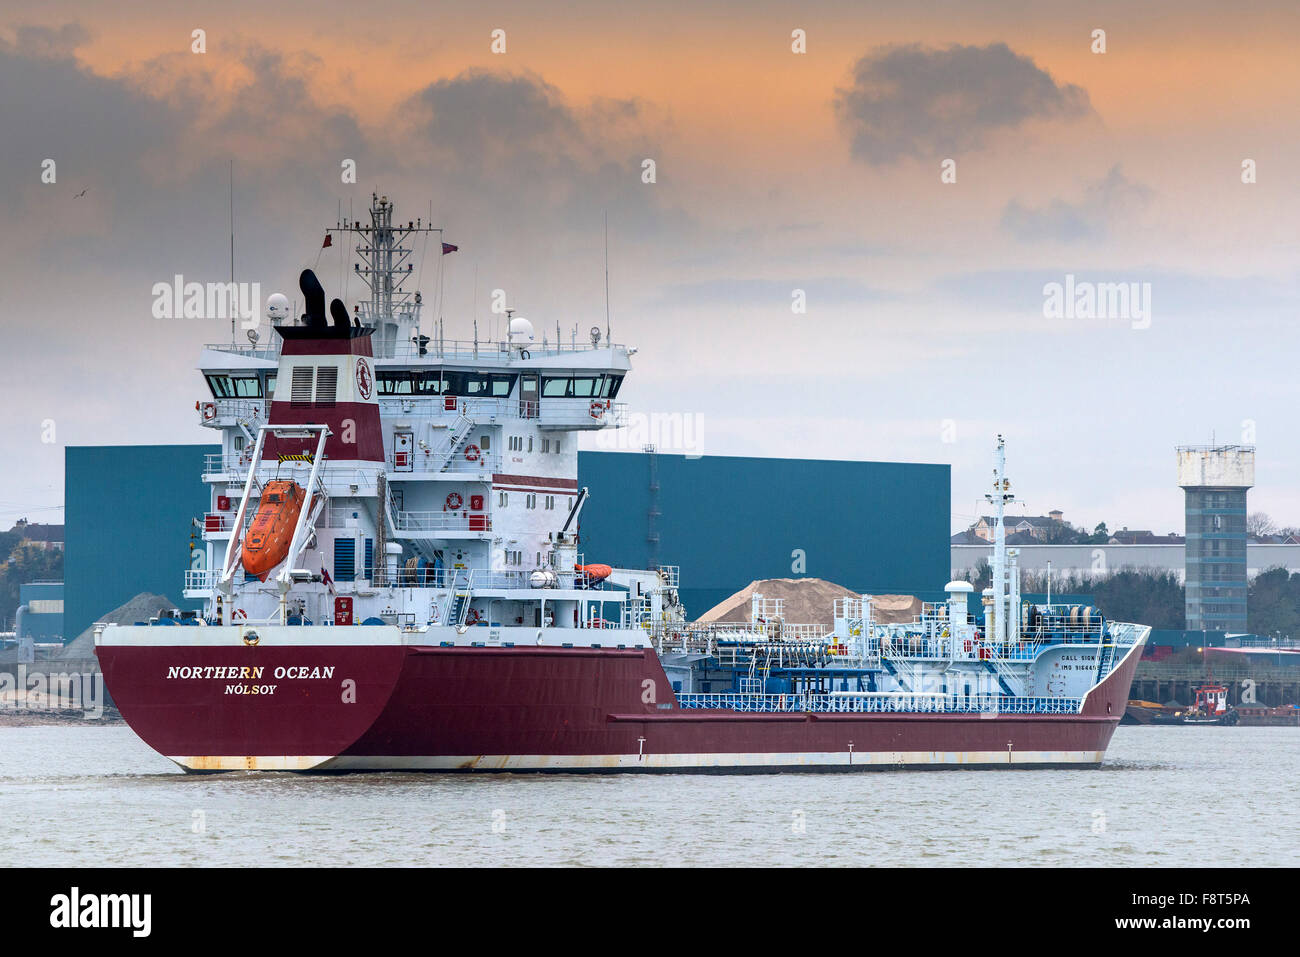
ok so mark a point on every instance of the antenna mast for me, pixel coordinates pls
(607, 278)
(385, 264)
(233, 294)
(999, 498)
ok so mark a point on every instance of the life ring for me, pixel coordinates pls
(454, 502)
(597, 410)
(472, 617)
(239, 615)
(471, 453)
(209, 411)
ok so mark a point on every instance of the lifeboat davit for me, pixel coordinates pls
(595, 572)
(268, 539)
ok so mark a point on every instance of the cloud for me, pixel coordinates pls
(775, 293)
(1105, 202)
(921, 102)
(528, 155)
(57, 43)
(1231, 304)
(486, 116)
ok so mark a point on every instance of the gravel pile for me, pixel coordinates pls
(140, 608)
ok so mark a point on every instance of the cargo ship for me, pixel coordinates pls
(392, 578)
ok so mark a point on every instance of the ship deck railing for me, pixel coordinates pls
(205, 579)
(440, 521)
(469, 349)
(228, 411)
(234, 466)
(434, 350)
(883, 702)
(424, 462)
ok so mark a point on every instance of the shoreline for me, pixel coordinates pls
(14, 718)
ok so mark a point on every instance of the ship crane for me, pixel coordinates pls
(304, 527)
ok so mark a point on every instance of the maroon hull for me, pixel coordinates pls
(450, 708)
(209, 716)
(453, 702)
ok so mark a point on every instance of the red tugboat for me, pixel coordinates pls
(432, 610)
(1210, 707)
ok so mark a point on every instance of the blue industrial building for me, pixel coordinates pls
(40, 613)
(128, 512)
(874, 527)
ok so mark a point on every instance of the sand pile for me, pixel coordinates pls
(140, 608)
(809, 601)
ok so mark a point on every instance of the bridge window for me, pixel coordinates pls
(394, 383)
(235, 387)
(474, 385)
(574, 387)
(428, 383)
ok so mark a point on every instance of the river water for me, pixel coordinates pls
(1205, 796)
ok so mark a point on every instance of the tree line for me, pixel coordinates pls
(22, 564)
(1156, 597)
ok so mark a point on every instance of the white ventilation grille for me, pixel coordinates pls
(300, 390)
(327, 382)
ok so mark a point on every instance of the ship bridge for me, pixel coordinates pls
(467, 482)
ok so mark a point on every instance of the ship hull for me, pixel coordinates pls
(543, 709)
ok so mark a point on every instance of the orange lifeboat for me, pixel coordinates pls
(595, 572)
(268, 539)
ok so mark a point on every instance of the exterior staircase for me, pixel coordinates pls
(457, 433)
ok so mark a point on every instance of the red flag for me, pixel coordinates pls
(448, 248)
(329, 241)
(325, 577)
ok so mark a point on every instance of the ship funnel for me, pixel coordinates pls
(314, 294)
(339, 313)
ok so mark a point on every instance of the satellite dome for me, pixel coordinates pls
(521, 331)
(277, 306)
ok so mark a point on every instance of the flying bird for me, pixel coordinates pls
(79, 195)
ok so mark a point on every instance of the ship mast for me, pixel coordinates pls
(386, 261)
(999, 498)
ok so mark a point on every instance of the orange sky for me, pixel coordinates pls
(738, 79)
(758, 192)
